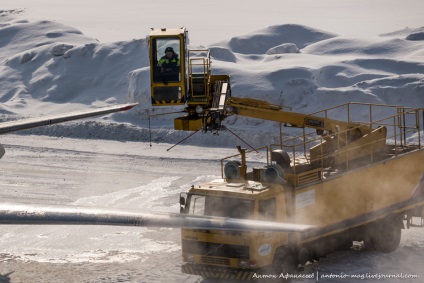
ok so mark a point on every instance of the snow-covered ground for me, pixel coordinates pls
(130, 175)
(303, 55)
(133, 175)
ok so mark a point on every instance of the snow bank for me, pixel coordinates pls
(259, 42)
(49, 67)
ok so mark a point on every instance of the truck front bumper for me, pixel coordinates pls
(216, 272)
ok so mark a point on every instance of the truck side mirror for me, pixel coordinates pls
(182, 201)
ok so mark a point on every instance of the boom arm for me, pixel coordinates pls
(208, 102)
(263, 110)
(348, 140)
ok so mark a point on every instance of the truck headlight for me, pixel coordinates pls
(243, 263)
(189, 258)
(199, 109)
(229, 109)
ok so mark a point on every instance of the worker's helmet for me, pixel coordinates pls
(169, 49)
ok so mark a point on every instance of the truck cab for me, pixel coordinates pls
(234, 254)
(231, 254)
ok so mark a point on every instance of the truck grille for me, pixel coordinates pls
(215, 260)
(215, 250)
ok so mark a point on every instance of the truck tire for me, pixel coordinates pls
(384, 235)
(283, 262)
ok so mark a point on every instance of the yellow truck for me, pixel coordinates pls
(360, 190)
(360, 178)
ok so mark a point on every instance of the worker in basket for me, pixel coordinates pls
(169, 66)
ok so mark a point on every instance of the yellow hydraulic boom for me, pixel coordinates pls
(355, 138)
(187, 80)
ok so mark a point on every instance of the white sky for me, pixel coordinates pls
(213, 21)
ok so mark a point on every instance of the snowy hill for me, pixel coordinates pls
(48, 67)
(263, 40)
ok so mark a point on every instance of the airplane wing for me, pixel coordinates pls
(73, 215)
(12, 126)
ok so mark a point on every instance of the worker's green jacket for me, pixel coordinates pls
(172, 63)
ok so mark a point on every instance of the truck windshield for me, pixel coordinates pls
(220, 206)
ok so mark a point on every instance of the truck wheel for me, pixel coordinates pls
(344, 245)
(384, 235)
(283, 263)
